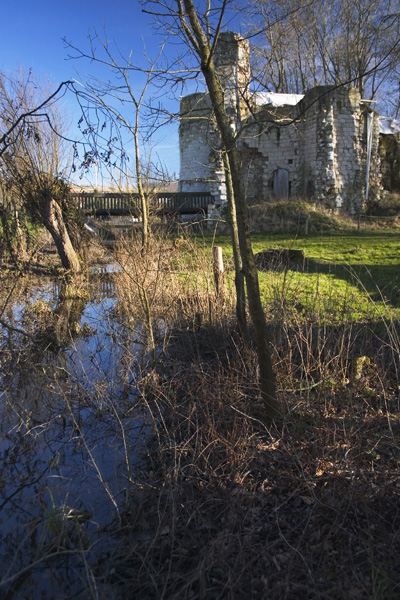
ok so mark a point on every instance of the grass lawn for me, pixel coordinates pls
(347, 275)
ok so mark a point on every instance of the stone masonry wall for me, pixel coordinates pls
(200, 158)
(317, 149)
(266, 148)
(232, 60)
(201, 169)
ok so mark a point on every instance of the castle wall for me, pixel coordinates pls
(316, 149)
(232, 60)
(200, 157)
(333, 123)
(200, 162)
(338, 171)
(322, 144)
(267, 149)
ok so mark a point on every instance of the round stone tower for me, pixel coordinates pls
(201, 168)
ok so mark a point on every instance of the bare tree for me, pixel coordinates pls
(117, 111)
(33, 159)
(200, 31)
(12, 130)
(239, 275)
(313, 42)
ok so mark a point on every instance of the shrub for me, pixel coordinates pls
(295, 216)
(387, 206)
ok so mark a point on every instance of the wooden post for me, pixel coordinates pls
(218, 269)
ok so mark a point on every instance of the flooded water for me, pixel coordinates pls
(71, 433)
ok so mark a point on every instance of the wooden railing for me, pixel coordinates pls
(183, 202)
(102, 204)
(123, 203)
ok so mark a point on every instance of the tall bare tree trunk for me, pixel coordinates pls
(257, 314)
(203, 48)
(237, 259)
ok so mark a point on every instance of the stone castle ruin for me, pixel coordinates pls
(328, 145)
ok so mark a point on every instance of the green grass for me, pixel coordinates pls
(349, 276)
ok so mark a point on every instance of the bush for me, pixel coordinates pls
(297, 216)
(387, 206)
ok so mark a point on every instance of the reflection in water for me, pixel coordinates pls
(70, 428)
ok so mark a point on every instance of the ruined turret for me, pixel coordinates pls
(201, 166)
(322, 145)
(232, 59)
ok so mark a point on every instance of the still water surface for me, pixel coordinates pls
(71, 434)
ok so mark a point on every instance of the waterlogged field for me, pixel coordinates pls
(70, 434)
(222, 507)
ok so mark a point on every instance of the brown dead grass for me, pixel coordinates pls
(229, 509)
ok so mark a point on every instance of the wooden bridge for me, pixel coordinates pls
(104, 204)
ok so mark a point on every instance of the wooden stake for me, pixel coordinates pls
(218, 269)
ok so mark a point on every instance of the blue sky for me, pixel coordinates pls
(32, 36)
(33, 33)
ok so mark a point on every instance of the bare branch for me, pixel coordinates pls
(4, 139)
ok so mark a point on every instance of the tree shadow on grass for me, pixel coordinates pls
(381, 282)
